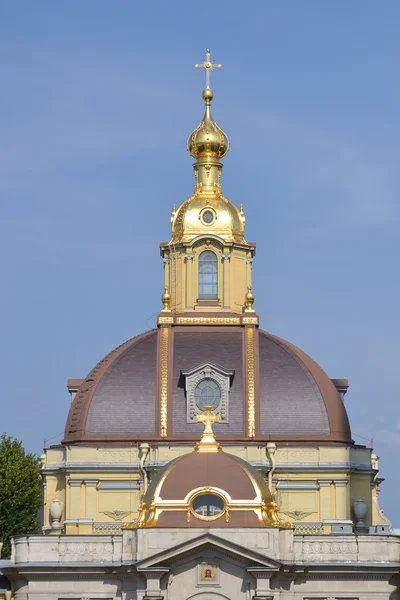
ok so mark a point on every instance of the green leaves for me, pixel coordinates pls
(20, 491)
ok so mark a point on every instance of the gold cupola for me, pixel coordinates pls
(208, 211)
(207, 262)
(208, 142)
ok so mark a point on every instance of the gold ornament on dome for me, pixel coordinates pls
(208, 442)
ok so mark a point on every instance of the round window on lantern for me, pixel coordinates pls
(207, 216)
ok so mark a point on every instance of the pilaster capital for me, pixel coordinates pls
(249, 261)
(324, 482)
(166, 260)
(226, 257)
(75, 482)
(189, 256)
(340, 482)
(91, 482)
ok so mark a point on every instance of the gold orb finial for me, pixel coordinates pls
(249, 301)
(166, 300)
(207, 95)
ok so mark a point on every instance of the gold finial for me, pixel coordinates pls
(249, 301)
(208, 442)
(208, 66)
(242, 214)
(166, 300)
(208, 142)
(173, 213)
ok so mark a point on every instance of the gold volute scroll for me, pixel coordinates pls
(208, 442)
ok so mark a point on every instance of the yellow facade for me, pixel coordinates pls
(101, 487)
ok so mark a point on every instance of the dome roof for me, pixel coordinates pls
(240, 491)
(208, 140)
(227, 220)
(295, 399)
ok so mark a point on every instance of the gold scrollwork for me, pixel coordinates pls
(208, 320)
(251, 411)
(164, 382)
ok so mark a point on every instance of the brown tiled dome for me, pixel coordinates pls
(178, 495)
(295, 399)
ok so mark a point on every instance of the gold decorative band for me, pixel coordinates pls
(251, 409)
(164, 382)
(250, 320)
(167, 320)
(208, 320)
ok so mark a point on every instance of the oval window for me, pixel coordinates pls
(208, 217)
(208, 506)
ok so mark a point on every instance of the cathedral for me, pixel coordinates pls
(207, 459)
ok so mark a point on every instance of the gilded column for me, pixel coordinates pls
(251, 401)
(341, 499)
(189, 281)
(324, 499)
(226, 275)
(164, 381)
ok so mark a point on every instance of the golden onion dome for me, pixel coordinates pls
(208, 140)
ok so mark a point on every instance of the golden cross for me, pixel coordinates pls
(208, 418)
(208, 65)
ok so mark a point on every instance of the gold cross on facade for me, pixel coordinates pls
(208, 418)
(208, 65)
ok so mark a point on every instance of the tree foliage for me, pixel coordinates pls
(20, 491)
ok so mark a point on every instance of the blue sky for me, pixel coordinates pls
(97, 100)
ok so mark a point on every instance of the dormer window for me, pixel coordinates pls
(207, 384)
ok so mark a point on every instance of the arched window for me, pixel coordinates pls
(208, 276)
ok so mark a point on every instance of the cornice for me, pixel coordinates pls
(94, 467)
